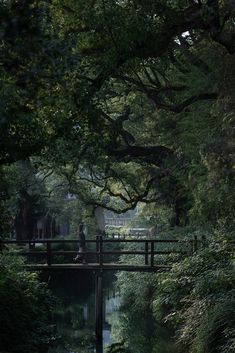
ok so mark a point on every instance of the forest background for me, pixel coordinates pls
(124, 103)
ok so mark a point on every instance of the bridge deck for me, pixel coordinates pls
(96, 267)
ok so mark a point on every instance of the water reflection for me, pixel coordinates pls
(74, 315)
(75, 318)
(111, 317)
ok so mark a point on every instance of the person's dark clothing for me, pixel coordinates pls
(81, 256)
(82, 239)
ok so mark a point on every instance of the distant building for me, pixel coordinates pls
(114, 219)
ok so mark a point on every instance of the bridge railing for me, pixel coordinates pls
(148, 248)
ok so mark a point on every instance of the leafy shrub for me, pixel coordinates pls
(198, 298)
(117, 348)
(195, 301)
(25, 307)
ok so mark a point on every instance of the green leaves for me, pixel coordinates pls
(25, 309)
(198, 295)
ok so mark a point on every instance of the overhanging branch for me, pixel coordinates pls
(155, 154)
(186, 103)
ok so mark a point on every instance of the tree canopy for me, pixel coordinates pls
(121, 103)
(127, 99)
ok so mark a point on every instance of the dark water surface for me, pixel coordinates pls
(74, 315)
(74, 318)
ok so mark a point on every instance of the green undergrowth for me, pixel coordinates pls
(192, 297)
(117, 348)
(192, 306)
(25, 309)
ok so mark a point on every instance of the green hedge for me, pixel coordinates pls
(25, 309)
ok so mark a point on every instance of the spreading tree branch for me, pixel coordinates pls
(153, 154)
(186, 103)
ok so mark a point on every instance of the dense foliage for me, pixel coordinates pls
(26, 306)
(121, 103)
(199, 295)
(125, 88)
(192, 306)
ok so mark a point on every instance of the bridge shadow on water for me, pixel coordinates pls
(75, 312)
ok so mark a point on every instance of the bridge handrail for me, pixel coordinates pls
(104, 240)
(149, 251)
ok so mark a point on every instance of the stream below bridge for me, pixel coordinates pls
(74, 317)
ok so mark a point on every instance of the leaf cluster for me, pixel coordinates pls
(26, 306)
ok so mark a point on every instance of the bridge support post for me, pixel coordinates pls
(101, 251)
(99, 311)
(97, 248)
(146, 253)
(152, 254)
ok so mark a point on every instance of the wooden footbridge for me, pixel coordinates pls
(102, 254)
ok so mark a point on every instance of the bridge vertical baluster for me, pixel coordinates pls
(152, 253)
(49, 255)
(146, 253)
(97, 248)
(101, 251)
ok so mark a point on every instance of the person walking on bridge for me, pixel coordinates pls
(81, 256)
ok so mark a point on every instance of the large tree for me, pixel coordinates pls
(142, 96)
(134, 109)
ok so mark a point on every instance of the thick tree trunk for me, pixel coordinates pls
(24, 223)
(99, 219)
(181, 212)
